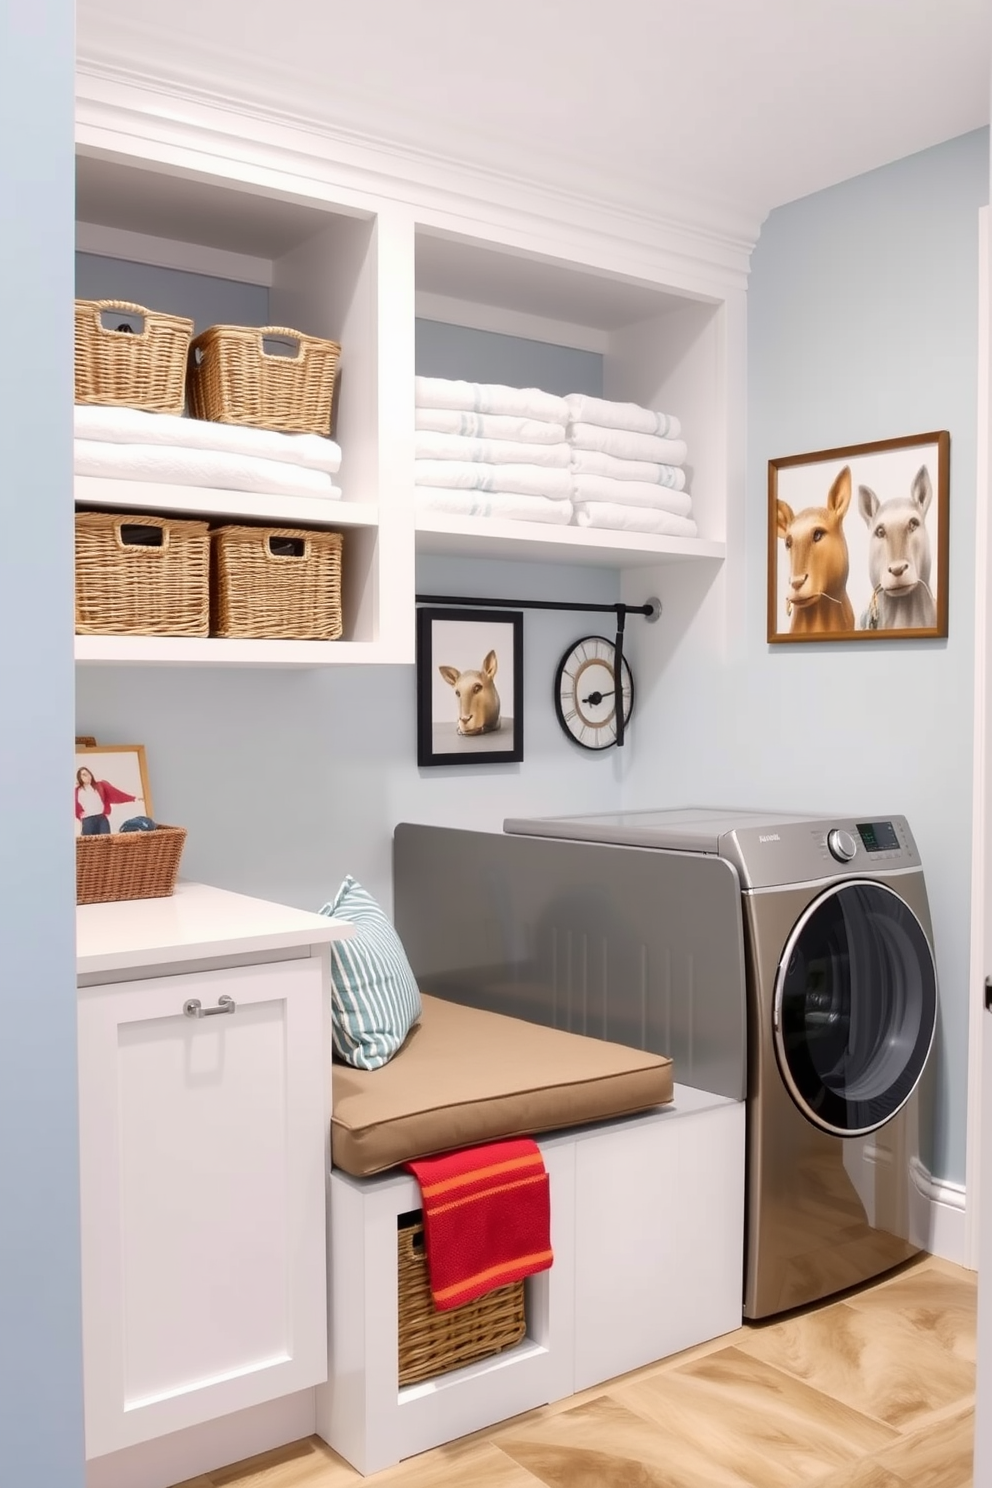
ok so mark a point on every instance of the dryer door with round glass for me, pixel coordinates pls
(855, 1007)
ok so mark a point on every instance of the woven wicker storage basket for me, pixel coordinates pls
(432, 1342)
(128, 865)
(276, 582)
(141, 575)
(136, 369)
(234, 380)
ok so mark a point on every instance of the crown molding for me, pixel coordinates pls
(132, 47)
(126, 113)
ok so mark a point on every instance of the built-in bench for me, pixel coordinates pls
(647, 1193)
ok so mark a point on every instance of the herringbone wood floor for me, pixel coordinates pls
(874, 1390)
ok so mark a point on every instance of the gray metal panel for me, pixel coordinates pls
(644, 948)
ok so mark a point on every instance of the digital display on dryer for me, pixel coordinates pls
(878, 836)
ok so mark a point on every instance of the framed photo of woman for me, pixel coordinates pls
(111, 787)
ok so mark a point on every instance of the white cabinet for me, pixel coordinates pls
(203, 1147)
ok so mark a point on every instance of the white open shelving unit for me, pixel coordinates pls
(358, 263)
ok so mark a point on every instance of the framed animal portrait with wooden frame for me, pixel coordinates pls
(857, 541)
(470, 695)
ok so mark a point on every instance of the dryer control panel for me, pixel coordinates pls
(802, 852)
(878, 837)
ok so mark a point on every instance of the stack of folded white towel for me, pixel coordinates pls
(484, 450)
(627, 468)
(130, 444)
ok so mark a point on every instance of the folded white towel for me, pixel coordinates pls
(632, 493)
(490, 425)
(430, 446)
(626, 446)
(502, 504)
(482, 397)
(463, 475)
(591, 462)
(586, 410)
(633, 519)
(197, 467)
(136, 426)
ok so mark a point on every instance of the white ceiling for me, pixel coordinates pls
(748, 103)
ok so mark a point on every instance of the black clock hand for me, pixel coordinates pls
(597, 697)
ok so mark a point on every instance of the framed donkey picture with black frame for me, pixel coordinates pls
(857, 541)
(470, 687)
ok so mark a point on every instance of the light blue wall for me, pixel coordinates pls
(487, 356)
(862, 324)
(41, 1442)
(205, 299)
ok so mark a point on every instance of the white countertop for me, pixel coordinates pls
(195, 922)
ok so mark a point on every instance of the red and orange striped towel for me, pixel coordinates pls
(487, 1218)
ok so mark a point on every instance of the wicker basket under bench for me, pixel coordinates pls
(432, 1343)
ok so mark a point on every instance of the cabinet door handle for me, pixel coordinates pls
(193, 1007)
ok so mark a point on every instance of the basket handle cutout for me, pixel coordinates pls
(108, 318)
(280, 342)
(286, 547)
(142, 535)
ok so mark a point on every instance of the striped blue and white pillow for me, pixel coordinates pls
(375, 1000)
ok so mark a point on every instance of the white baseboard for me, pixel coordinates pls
(948, 1231)
(185, 1454)
(948, 1236)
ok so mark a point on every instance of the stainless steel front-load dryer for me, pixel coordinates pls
(841, 1014)
(782, 959)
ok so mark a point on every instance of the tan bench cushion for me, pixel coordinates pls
(465, 1077)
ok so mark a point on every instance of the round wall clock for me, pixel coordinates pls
(586, 693)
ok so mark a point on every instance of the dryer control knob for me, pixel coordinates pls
(841, 844)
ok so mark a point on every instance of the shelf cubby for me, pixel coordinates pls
(660, 348)
(209, 248)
